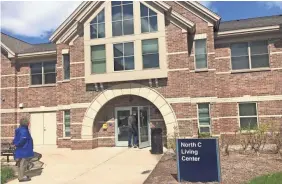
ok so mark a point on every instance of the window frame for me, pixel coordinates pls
(148, 17)
(98, 23)
(42, 74)
(198, 119)
(122, 20)
(63, 59)
(239, 117)
(150, 53)
(64, 125)
(195, 60)
(250, 55)
(124, 70)
(91, 62)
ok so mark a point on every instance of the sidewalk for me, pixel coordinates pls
(113, 165)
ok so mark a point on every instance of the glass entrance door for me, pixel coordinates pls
(121, 128)
(144, 128)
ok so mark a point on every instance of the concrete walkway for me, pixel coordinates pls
(114, 165)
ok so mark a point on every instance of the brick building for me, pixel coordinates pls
(174, 63)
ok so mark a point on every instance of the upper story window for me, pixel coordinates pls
(123, 56)
(98, 59)
(149, 19)
(97, 26)
(201, 54)
(150, 53)
(122, 18)
(248, 115)
(249, 55)
(66, 66)
(43, 73)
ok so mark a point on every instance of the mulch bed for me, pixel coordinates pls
(235, 168)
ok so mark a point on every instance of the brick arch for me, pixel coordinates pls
(127, 89)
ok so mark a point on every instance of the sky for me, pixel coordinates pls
(34, 21)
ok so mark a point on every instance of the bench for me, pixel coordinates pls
(7, 150)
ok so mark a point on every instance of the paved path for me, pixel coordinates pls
(115, 165)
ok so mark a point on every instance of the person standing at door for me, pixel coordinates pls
(24, 149)
(132, 130)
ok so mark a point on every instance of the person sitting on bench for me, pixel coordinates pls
(24, 149)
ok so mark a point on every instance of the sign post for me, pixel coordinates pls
(198, 160)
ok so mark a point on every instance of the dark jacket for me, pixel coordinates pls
(132, 124)
(23, 142)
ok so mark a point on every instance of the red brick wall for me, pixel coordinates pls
(180, 83)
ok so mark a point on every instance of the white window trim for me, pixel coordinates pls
(63, 67)
(124, 70)
(91, 63)
(137, 37)
(150, 53)
(250, 56)
(42, 75)
(238, 114)
(64, 128)
(200, 37)
(98, 25)
(198, 118)
(122, 20)
(147, 16)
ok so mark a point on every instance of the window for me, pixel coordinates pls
(67, 123)
(201, 54)
(204, 117)
(122, 18)
(249, 55)
(150, 53)
(97, 26)
(98, 59)
(43, 73)
(149, 19)
(248, 115)
(123, 56)
(66, 65)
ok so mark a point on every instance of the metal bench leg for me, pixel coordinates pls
(8, 159)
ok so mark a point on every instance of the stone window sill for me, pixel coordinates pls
(40, 86)
(201, 70)
(65, 81)
(251, 70)
(64, 138)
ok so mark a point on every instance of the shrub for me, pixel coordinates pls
(204, 135)
(6, 174)
(226, 141)
(172, 140)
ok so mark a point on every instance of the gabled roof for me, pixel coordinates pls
(251, 23)
(66, 31)
(16, 46)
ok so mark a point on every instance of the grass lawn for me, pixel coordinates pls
(268, 179)
(7, 173)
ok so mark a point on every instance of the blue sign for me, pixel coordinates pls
(198, 160)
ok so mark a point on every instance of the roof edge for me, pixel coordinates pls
(248, 31)
(68, 21)
(204, 10)
(175, 15)
(66, 30)
(36, 54)
(11, 54)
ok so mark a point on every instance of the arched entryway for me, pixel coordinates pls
(128, 89)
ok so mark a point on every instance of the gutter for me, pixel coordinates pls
(267, 29)
(37, 54)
